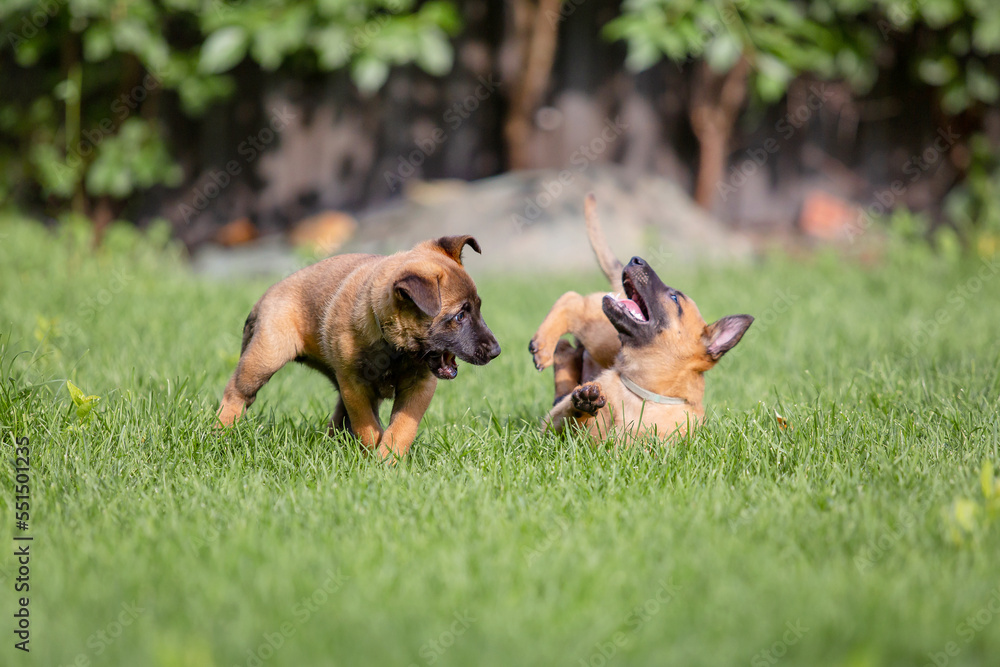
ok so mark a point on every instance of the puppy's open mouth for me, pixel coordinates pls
(632, 303)
(443, 365)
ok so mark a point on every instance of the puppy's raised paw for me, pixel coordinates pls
(541, 353)
(589, 398)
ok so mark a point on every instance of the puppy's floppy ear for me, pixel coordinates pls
(453, 245)
(422, 291)
(722, 336)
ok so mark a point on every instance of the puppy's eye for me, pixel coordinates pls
(460, 316)
(674, 297)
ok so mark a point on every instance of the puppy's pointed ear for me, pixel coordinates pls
(421, 291)
(722, 336)
(453, 245)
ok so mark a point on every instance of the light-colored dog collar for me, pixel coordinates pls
(647, 395)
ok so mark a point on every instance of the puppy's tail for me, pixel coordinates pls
(248, 329)
(610, 265)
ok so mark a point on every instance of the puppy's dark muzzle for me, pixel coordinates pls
(494, 350)
(637, 270)
(487, 351)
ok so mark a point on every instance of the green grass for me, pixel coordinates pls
(492, 544)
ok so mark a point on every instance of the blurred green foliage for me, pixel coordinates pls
(780, 39)
(840, 39)
(84, 121)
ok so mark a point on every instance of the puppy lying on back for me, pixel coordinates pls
(642, 353)
(378, 327)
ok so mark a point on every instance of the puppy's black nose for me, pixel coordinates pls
(637, 261)
(494, 350)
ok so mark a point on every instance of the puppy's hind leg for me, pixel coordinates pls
(266, 348)
(568, 361)
(579, 407)
(361, 408)
(591, 369)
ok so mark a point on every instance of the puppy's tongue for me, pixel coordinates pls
(631, 306)
(444, 366)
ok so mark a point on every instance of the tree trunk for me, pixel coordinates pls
(73, 69)
(716, 100)
(102, 213)
(537, 27)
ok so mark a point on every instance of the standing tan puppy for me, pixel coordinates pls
(378, 327)
(642, 354)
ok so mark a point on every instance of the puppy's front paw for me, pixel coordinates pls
(541, 353)
(589, 398)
